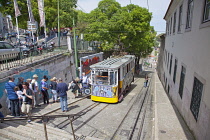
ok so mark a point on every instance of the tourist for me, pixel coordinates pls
(13, 97)
(27, 104)
(62, 89)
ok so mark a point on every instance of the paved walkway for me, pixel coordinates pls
(169, 125)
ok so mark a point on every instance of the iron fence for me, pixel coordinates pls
(45, 119)
(17, 59)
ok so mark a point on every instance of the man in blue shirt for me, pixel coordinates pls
(13, 97)
(62, 89)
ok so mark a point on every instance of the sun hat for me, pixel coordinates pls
(77, 79)
(35, 75)
(54, 78)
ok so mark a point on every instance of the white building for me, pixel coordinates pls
(186, 62)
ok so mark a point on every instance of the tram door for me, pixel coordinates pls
(119, 83)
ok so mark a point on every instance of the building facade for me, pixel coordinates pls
(6, 25)
(186, 66)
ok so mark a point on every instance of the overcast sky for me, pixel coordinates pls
(157, 7)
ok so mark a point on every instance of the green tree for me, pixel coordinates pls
(126, 27)
(50, 7)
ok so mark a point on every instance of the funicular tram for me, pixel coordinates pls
(111, 78)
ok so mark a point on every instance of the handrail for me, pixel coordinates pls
(6, 64)
(45, 119)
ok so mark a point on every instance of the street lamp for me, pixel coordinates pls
(58, 23)
(75, 48)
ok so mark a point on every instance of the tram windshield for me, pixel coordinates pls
(104, 77)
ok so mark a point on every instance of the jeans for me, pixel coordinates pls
(36, 98)
(45, 96)
(1, 115)
(145, 83)
(15, 107)
(55, 95)
(63, 101)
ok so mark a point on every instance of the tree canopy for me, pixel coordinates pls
(51, 12)
(127, 28)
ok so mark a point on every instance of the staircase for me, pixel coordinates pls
(21, 130)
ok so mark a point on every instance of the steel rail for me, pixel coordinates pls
(136, 100)
(139, 112)
(50, 112)
(79, 115)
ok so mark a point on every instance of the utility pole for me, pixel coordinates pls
(58, 24)
(75, 49)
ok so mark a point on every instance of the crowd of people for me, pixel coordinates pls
(25, 95)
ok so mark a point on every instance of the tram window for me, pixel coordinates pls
(119, 74)
(102, 78)
(128, 67)
(112, 78)
(104, 73)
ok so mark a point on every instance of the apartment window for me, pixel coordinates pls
(181, 83)
(174, 25)
(165, 57)
(171, 26)
(180, 19)
(206, 16)
(170, 64)
(166, 83)
(196, 98)
(189, 14)
(168, 60)
(169, 23)
(175, 67)
(168, 89)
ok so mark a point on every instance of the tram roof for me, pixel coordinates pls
(113, 63)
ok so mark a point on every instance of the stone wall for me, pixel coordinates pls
(60, 66)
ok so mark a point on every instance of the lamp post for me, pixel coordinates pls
(75, 49)
(58, 23)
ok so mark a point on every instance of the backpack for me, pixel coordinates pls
(72, 86)
(33, 86)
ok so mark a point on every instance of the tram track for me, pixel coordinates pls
(72, 103)
(146, 98)
(80, 113)
(139, 101)
(86, 114)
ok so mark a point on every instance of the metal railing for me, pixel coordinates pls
(44, 119)
(9, 61)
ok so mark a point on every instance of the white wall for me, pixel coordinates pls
(191, 49)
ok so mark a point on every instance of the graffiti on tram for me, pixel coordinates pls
(102, 91)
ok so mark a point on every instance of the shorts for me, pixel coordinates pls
(26, 108)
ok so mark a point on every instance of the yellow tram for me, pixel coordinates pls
(111, 78)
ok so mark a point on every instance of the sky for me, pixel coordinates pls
(157, 7)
